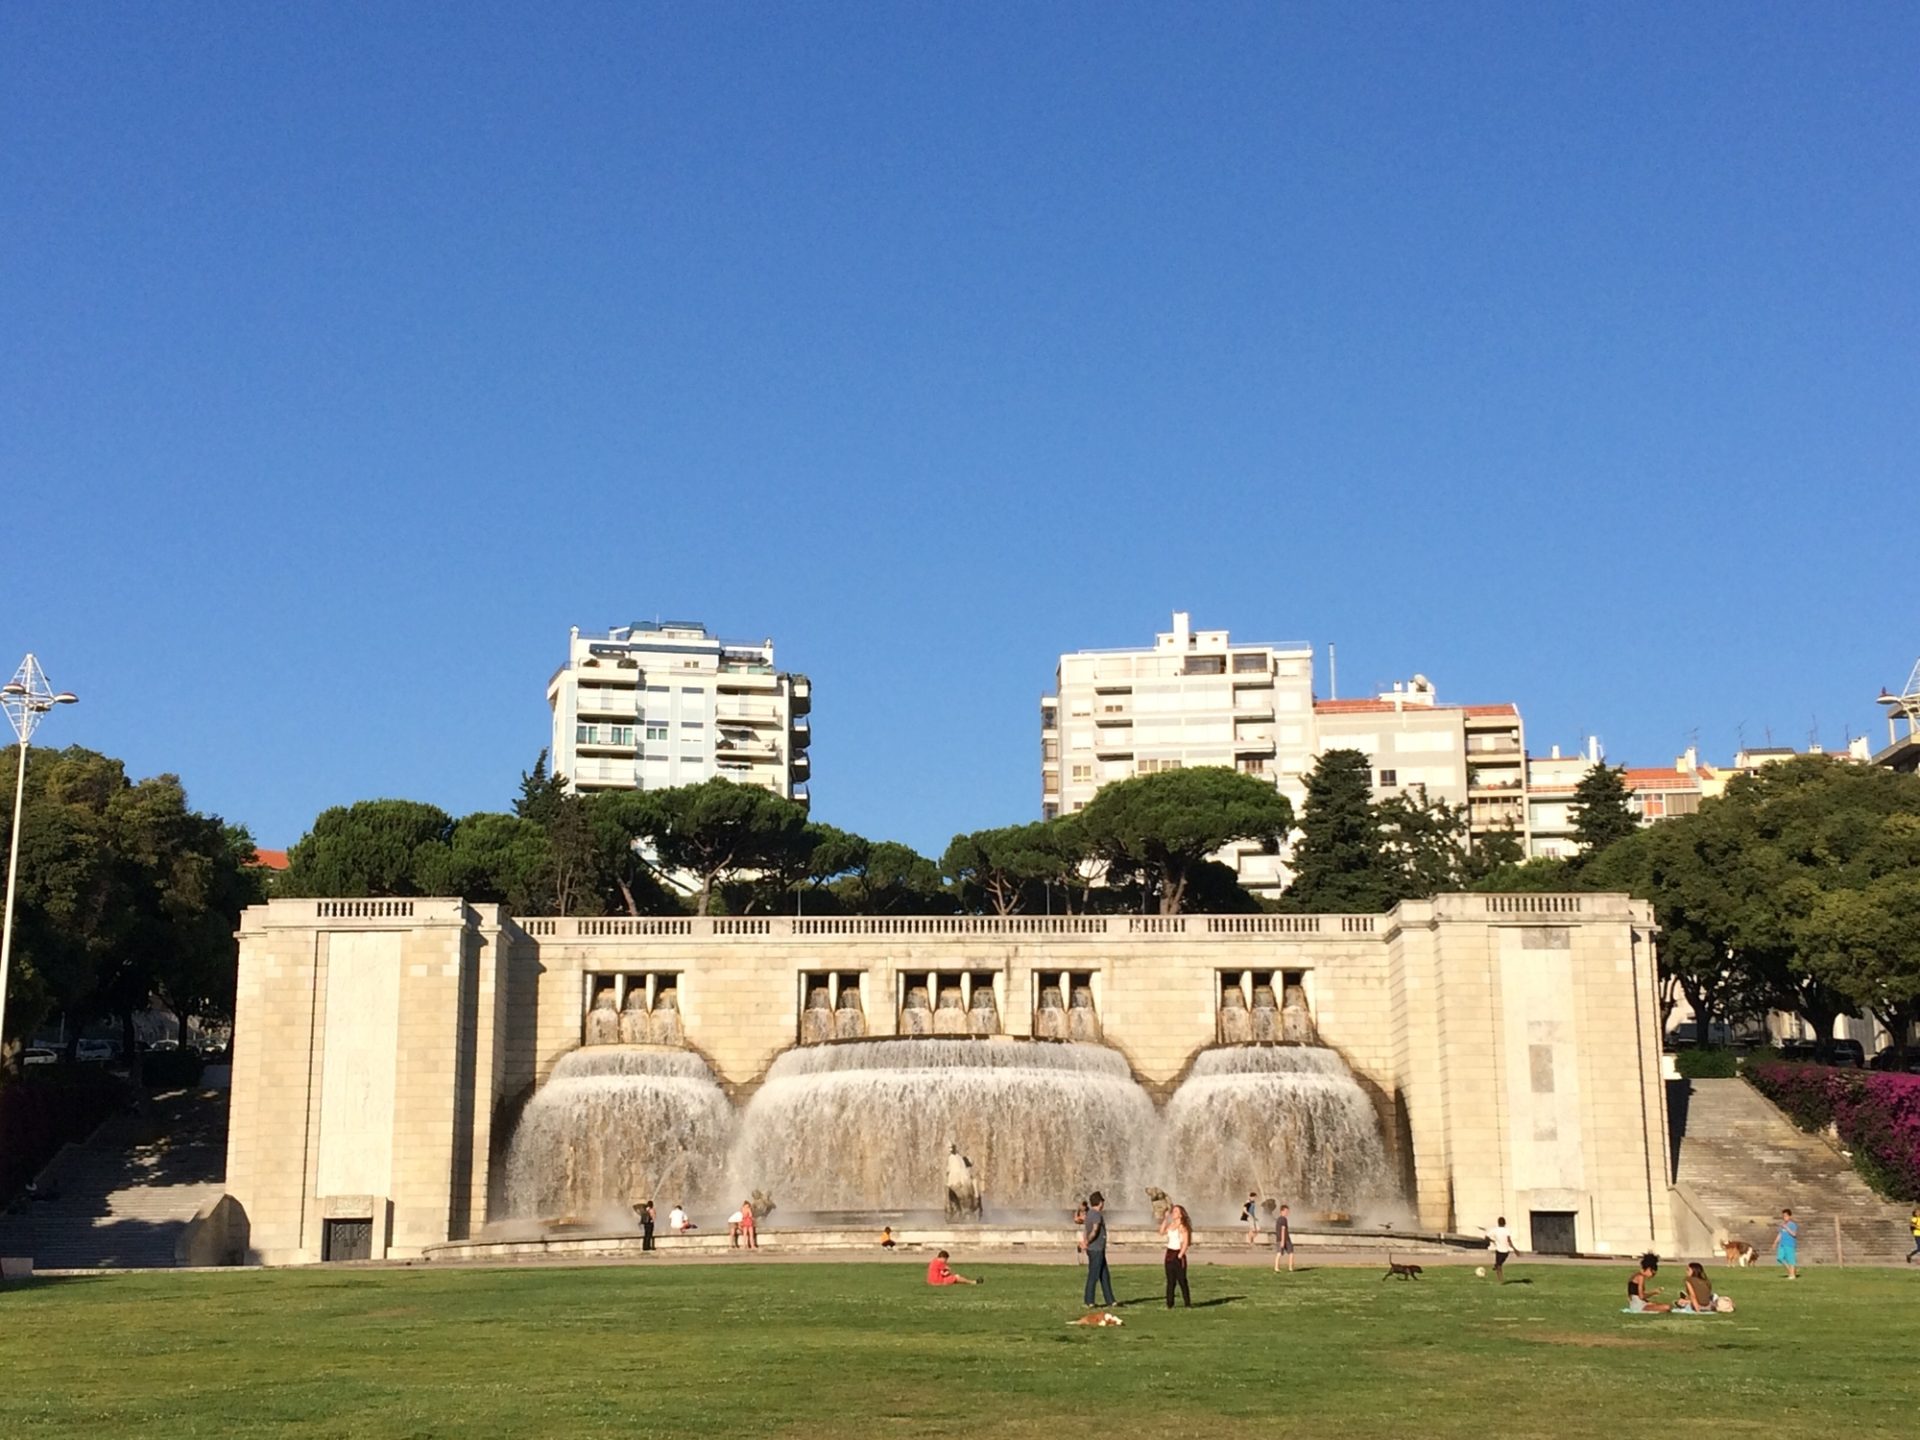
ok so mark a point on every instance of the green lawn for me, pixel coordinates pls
(798, 1350)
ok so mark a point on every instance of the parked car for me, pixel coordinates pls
(39, 1055)
(1889, 1059)
(96, 1050)
(1846, 1054)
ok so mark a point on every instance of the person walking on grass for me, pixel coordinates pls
(1501, 1239)
(1093, 1243)
(1283, 1239)
(1786, 1248)
(1179, 1232)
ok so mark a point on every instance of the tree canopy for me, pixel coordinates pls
(1157, 830)
(1600, 810)
(126, 893)
(1341, 860)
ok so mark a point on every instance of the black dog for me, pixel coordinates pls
(1405, 1272)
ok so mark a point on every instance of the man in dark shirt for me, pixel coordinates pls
(1282, 1239)
(1093, 1240)
(646, 1225)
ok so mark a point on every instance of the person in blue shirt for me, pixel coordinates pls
(1786, 1249)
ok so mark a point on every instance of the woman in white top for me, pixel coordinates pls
(1179, 1232)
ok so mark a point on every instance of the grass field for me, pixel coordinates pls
(803, 1350)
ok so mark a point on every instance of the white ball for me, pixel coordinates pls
(1481, 1271)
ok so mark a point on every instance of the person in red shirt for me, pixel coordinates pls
(940, 1273)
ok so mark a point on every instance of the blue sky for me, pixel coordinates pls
(1566, 354)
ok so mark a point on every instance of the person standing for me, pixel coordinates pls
(749, 1235)
(1501, 1239)
(1283, 1239)
(1093, 1241)
(1786, 1248)
(646, 1225)
(1179, 1232)
(1250, 1212)
(1914, 1225)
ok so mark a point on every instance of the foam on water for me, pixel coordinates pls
(1289, 1121)
(867, 1126)
(614, 1125)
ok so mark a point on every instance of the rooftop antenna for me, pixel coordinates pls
(1333, 672)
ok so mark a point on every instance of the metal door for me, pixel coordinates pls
(1554, 1232)
(347, 1240)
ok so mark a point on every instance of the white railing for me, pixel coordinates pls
(1533, 904)
(363, 909)
(1249, 927)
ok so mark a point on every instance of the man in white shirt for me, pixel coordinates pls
(1501, 1239)
(677, 1221)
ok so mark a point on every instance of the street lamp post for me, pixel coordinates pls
(27, 699)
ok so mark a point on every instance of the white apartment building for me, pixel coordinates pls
(652, 705)
(1195, 698)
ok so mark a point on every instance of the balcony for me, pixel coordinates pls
(618, 703)
(1113, 742)
(1493, 745)
(802, 734)
(737, 710)
(801, 694)
(800, 767)
(727, 748)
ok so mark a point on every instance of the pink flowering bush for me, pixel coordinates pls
(1876, 1116)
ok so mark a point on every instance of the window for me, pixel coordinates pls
(586, 734)
(1205, 665)
(1080, 773)
(1049, 749)
(1251, 765)
(622, 734)
(1389, 778)
(656, 732)
(1242, 664)
(1154, 767)
(1049, 811)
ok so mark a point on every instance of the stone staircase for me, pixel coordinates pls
(1741, 1160)
(123, 1197)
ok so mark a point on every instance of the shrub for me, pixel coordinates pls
(1706, 1064)
(1876, 1116)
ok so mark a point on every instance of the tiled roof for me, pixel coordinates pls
(1387, 707)
(1660, 780)
(270, 859)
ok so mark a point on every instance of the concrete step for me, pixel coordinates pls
(1744, 1161)
(124, 1197)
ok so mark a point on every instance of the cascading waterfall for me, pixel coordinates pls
(867, 1125)
(614, 1125)
(1288, 1120)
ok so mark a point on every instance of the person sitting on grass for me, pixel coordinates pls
(1640, 1292)
(1699, 1296)
(941, 1273)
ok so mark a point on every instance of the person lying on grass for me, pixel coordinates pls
(940, 1273)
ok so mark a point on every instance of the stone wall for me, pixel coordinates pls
(1509, 1042)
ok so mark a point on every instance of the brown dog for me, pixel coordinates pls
(1739, 1252)
(1405, 1272)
